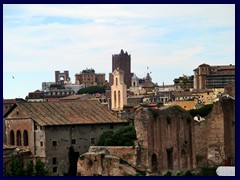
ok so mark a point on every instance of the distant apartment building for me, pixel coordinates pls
(123, 62)
(209, 77)
(184, 82)
(88, 77)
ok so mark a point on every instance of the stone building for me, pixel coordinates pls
(165, 139)
(123, 61)
(208, 77)
(88, 77)
(215, 136)
(49, 129)
(184, 83)
(60, 78)
(118, 91)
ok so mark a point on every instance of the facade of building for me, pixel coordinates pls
(208, 77)
(88, 78)
(60, 78)
(184, 82)
(165, 140)
(49, 129)
(118, 91)
(123, 61)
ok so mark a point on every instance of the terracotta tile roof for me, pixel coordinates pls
(67, 113)
(76, 97)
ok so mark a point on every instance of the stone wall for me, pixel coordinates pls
(106, 161)
(164, 139)
(215, 137)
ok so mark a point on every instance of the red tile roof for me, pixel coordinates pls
(67, 113)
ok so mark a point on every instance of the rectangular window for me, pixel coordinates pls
(54, 169)
(54, 143)
(54, 161)
(93, 140)
(73, 141)
(41, 143)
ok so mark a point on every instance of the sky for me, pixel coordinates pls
(172, 40)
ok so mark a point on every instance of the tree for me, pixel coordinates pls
(15, 167)
(30, 169)
(92, 90)
(73, 158)
(122, 137)
(40, 169)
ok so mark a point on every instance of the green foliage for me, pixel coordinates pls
(140, 173)
(40, 169)
(30, 169)
(208, 171)
(178, 173)
(167, 173)
(189, 173)
(92, 90)
(15, 167)
(106, 138)
(123, 137)
(154, 112)
(204, 111)
(58, 86)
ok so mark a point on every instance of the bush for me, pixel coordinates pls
(92, 90)
(123, 137)
(189, 173)
(208, 171)
(204, 111)
(167, 173)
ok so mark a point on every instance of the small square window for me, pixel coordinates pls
(54, 143)
(54, 161)
(54, 169)
(93, 140)
(73, 141)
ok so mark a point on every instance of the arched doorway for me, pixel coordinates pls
(154, 163)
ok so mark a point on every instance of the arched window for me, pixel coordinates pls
(12, 138)
(119, 99)
(25, 138)
(134, 83)
(115, 99)
(19, 138)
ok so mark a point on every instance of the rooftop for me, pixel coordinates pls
(64, 113)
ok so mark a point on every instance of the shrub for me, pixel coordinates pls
(167, 173)
(204, 111)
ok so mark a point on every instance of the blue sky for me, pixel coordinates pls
(171, 40)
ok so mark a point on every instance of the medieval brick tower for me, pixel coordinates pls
(123, 61)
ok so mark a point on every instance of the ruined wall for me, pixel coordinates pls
(215, 137)
(165, 139)
(101, 161)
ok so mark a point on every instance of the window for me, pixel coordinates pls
(54, 143)
(12, 138)
(41, 143)
(170, 158)
(54, 161)
(19, 138)
(35, 127)
(93, 140)
(25, 138)
(54, 169)
(41, 127)
(17, 113)
(73, 141)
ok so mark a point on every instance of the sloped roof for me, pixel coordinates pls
(66, 113)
